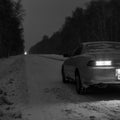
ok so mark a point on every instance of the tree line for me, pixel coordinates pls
(99, 21)
(11, 28)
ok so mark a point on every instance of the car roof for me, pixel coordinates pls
(98, 42)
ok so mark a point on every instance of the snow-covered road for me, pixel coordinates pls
(44, 77)
(50, 99)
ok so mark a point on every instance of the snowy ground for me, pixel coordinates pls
(13, 88)
(35, 91)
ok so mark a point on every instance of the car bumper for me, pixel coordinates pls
(104, 75)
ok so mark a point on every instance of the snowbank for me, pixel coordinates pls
(13, 88)
(54, 57)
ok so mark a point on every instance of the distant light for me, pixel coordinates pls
(25, 53)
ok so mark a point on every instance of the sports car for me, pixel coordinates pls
(93, 64)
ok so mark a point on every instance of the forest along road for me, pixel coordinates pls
(50, 99)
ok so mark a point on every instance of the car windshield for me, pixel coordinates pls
(101, 47)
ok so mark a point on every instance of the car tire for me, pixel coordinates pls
(80, 89)
(63, 76)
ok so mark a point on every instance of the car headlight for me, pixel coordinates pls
(103, 63)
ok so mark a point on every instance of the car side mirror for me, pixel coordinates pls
(66, 55)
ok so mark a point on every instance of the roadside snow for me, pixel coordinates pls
(54, 57)
(31, 88)
(13, 89)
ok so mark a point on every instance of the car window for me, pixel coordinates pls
(102, 47)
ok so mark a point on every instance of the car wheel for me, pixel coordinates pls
(63, 76)
(79, 87)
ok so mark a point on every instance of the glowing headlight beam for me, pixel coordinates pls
(103, 63)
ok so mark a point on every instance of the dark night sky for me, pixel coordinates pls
(45, 17)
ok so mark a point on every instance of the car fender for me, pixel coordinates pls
(84, 71)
